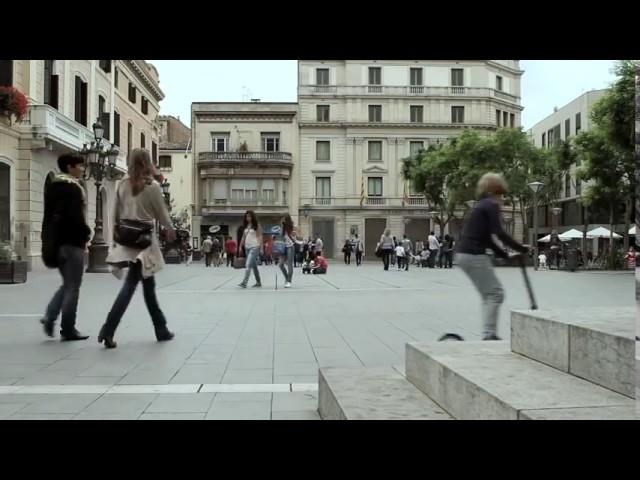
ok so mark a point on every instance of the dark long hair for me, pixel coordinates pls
(287, 225)
(254, 220)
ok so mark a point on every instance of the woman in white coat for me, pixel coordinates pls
(138, 197)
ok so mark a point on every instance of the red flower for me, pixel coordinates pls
(13, 101)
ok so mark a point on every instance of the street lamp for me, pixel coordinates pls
(165, 193)
(556, 211)
(101, 164)
(535, 188)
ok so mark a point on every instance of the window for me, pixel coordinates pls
(105, 65)
(578, 123)
(50, 84)
(505, 119)
(375, 76)
(322, 113)
(116, 128)
(457, 77)
(415, 147)
(415, 77)
(322, 76)
(416, 113)
(105, 117)
(251, 195)
(457, 114)
(219, 142)
(375, 113)
(80, 100)
(115, 78)
(550, 139)
(6, 72)
(144, 105)
(544, 142)
(165, 162)
(129, 138)
(375, 151)
(237, 194)
(323, 188)
(132, 93)
(270, 142)
(512, 120)
(142, 140)
(498, 115)
(374, 186)
(154, 152)
(567, 128)
(557, 135)
(323, 151)
(268, 195)
(567, 185)
(498, 82)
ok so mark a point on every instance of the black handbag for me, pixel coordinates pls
(131, 233)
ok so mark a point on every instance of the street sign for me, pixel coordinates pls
(214, 229)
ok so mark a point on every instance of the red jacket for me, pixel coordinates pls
(321, 262)
(230, 247)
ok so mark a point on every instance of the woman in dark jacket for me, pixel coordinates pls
(484, 221)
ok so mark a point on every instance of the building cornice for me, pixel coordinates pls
(142, 75)
(253, 117)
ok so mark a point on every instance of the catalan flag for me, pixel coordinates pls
(405, 196)
(362, 192)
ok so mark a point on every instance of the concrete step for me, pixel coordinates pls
(596, 344)
(487, 381)
(375, 393)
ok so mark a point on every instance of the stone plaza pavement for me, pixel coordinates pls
(248, 354)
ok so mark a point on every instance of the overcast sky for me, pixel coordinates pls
(545, 83)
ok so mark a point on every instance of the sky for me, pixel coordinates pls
(545, 84)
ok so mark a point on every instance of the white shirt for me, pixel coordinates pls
(319, 245)
(542, 258)
(251, 238)
(399, 251)
(433, 243)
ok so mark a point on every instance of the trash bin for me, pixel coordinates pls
(572, 257)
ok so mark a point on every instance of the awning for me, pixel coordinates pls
(601, 232)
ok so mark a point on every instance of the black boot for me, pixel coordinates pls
(162, 333)
(107, 339)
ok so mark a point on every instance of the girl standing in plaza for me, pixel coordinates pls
(289, 234)
(251, 241)
(387, 246)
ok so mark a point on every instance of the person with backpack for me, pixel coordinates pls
(65, 235)
(216, 249)
(206, 249)
(386, 247)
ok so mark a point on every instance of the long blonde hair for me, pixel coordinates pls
(140, 170)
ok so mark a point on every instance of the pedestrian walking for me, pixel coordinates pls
(484, 221)
(386, 246)
(449, 245)
(407, 246)
(288, 233)
(216, 249)
(206, 249)
(346, 249)
(230, 248)
(400, 258)
(359, 250)
(138, 199)
(251, 242)
(65, 235)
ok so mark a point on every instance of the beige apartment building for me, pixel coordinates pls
(246, 157)
(175, 163)
(359, 118)
(65, 98)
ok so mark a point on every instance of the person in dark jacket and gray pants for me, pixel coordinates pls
(484, 221)
(65, 235)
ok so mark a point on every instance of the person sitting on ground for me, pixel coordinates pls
(424, 257)
(320, 265)
(542, 261)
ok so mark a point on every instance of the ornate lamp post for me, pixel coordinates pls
(535, 188)
(101, 164)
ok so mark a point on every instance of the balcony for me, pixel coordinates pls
(405, 91)
(369, 201)
(271, 158)
(48, 124)
(235, 205)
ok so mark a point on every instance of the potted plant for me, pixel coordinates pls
(11, 270)
(13, 103)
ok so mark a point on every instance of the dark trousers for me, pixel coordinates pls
(230, 257)
(318, 271)
(448, 259)
(207, 259)
(124, 298)
(407, 261)
(432, 258)
(386, 256)
(347, 258)
(65, 300)
(358, 258)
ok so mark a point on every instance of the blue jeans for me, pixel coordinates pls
(288, 256)
(252, 264)
(71, 266)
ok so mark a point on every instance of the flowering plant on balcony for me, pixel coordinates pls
(13, 102)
